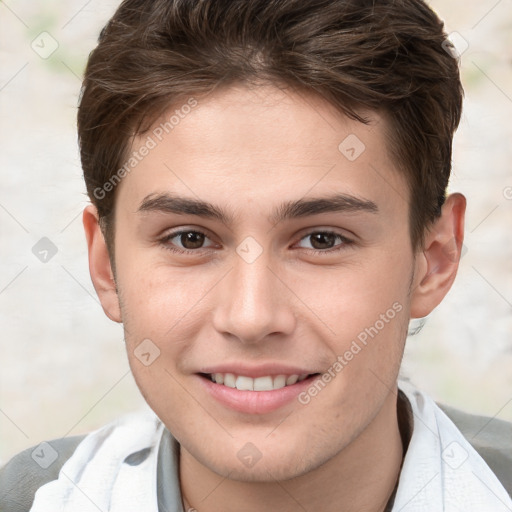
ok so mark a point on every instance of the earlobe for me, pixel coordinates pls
(99, 265)
(438, 263)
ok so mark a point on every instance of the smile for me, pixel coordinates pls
(265, 383)
(259, 395)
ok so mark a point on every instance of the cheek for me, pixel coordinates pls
(159, 384)
(355, 293)
(165, 309)
(365, 306)
(156, 298)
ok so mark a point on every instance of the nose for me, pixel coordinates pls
(253, 303)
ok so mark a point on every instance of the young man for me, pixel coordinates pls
(268, 213)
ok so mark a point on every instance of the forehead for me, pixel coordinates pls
(256, 146)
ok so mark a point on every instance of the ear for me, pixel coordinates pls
(437, 265)
(99, 265)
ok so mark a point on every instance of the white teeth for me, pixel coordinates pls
(229, 380)
(263, 384)
(244, 383)
(280, 381)
(292, 379)
(267, 383)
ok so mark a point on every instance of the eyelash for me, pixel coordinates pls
(345, 242)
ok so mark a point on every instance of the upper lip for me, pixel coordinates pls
(263, 370)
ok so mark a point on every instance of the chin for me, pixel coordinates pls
(280, 462)
(268, 471)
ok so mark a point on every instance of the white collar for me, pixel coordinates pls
(441, 470)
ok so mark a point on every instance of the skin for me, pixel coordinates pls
(247, 150)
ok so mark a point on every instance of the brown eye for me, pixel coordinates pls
(186, 241)
(322, 240)
(192, 239)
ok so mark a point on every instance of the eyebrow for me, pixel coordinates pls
(168, 203)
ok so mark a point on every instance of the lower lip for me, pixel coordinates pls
(255, 402)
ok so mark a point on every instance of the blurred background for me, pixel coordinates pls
(63, 367)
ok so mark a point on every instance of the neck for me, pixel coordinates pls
(360, 478)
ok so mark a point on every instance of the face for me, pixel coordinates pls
(264, 241)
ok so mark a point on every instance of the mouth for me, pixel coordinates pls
(264, 383)
(258, 395)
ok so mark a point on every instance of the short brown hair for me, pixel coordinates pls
(384, 55)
